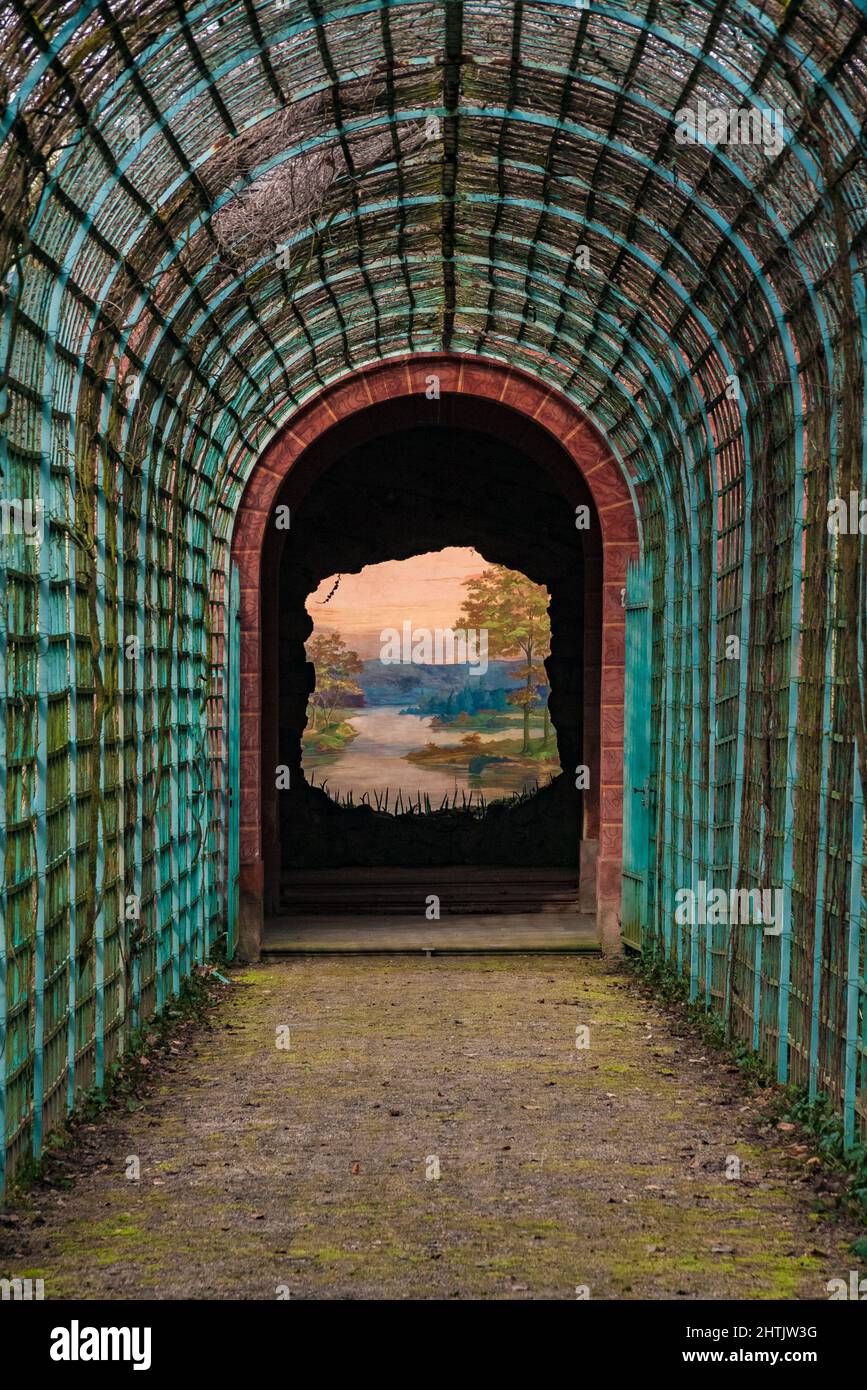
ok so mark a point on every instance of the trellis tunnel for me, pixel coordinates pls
(242, 239)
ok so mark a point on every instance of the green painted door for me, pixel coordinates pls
(636, 756)
(234, 741)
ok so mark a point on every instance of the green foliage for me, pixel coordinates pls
(329, 738)
(512, 609)
(824, 1124)
(335, 666)
(514, 613)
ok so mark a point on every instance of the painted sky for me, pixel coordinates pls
(426, 590)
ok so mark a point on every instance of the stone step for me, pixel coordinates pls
(499, 934)
(461, 889)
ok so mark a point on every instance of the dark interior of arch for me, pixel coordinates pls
(399, 494)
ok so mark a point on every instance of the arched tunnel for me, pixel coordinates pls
(294, 287)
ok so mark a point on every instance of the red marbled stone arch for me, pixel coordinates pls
(489, 385)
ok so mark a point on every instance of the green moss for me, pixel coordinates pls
(546, 1156)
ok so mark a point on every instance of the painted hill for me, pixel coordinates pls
(407, 685)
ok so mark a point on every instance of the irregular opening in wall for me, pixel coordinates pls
(431, 690)
(429, 725)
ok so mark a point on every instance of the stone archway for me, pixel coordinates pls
(502, 402)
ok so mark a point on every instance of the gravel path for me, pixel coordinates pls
(310, 1170)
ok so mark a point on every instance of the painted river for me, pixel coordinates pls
(376, 760)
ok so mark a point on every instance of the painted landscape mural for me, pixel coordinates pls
(430, 683)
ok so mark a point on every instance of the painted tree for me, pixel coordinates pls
(514, 611)
(335, 666)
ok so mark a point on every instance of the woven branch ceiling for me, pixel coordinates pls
(211, 210)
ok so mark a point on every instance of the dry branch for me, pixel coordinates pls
(295, 193)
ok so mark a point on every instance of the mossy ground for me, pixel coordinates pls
(308, 1168)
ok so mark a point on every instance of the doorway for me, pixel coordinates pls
(381, 470)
